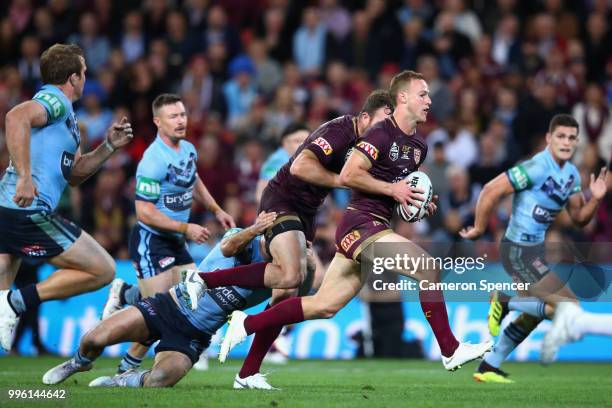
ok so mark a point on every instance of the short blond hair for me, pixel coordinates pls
(400, 81)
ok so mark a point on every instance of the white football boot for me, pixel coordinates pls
(254, 382)
(60, 372)
(235, 334)
(194, 286)
(113, 303)
(8, 321)
(465, 353)
(560, 331)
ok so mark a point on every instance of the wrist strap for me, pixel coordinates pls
(109, 146)
(182, 228)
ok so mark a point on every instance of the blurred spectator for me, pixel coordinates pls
(240, 91)
(421, 9)
(309, 43)
(133, 37)
(459, 203)
(267, 71)
(595, 119)
(505, 49)
(490, 162)
(465, 21)
(442, 100)
(218, 31)
(97, 48)
(597, 45)
(274, 31)
(20, 13)
(9, 50)
(29, 63)
(460, 146)
(95, 117)
(415, 43)
(155, 21)
(208, 91)
(451, 46)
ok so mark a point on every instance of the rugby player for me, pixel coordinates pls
(166, 184)
(183, 333)
(381, 159)
(542, 187)
(43, 140)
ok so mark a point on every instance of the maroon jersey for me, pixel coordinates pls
(330, 143)
(393, 155)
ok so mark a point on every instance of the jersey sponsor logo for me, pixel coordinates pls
(148, 188)
(167, 261)
(34, 250)
(519, 177)
(405, 152)
(558, 192)
(349, 239)
(227, 298)
(394, 152)
(67, 161)
(417, 155)
(53, 103)
(544, 215)
(183, 176)
(324, 145)
(178, 201)
(370, 149)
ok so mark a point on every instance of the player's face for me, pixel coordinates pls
(562, 142)
(171, 120)
(294, 140)
(418, 100)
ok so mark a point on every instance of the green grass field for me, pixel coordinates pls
(379, 383)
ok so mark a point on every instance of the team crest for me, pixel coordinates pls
(324, 145)
(349, 239)
(371, 150)
(417, 156)
(405, 151)
(394, 152)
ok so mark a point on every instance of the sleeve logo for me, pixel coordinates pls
(519, 177)
(53, 103)
(148, 188)
(370, 149)
(324, 145)
(349, 239)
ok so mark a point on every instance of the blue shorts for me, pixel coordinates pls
(526, 263)
(35, 234)
(153, 254)
(168, 325)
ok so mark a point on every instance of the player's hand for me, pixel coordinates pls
(197, 233)
(226, 220)
(433, 207)
(470, 233)
(403, 193)
(598, 185)
(25, 191)
(120, 134)
(264, 221)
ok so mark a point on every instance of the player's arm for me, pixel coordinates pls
(234, 244)
(148, 214)
(355, 175)
(18, 122)
(203, 196)
(581, 211)
(308, 168)
(488, 200)
(119, 135)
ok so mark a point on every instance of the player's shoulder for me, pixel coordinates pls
(54, 101)
(187, 146)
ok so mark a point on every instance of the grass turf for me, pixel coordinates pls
(382, 383)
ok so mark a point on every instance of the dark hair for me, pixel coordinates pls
(60, 61)
(163, 100)
(400, 81)
(292, 128)
(563, 120)
(376, 100)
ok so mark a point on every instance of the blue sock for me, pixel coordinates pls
(129, 362)
(531, 305)
(131, 295)
(511, 337)
(80, 359)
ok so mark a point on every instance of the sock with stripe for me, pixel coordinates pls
(80, 360)
(24, 299)
(129, 295)
(511, 337)
(530, 305)
(128, 362)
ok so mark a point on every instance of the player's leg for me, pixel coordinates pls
(342, 282)
(127, 325)
(9, 317)
(169, 368)
(120, 294)
(489, 369)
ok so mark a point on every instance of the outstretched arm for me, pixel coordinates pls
(236, 243)
(19, 121)
(488, 200)
(581, 211)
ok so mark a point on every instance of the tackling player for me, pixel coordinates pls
(183, 333)
(166, 184)
(542, 187)
(43, 140)
(381, 159)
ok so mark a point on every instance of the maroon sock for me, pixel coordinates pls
(286, 312)
(434, 308)
(248, 276)
(261, 345)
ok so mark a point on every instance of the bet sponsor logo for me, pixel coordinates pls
(167, 261)
(349, 239)
(370, 149)
(34, 250)
(324, 145)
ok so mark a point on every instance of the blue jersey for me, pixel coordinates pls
(52, 151)
(542, 189)
(273, 164)
(218, 303)
(166, 177)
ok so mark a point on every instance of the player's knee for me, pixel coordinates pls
(94, 340)
(105, 269)
(292, 278)
(159, 378)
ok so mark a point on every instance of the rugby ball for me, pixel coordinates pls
(409, 212)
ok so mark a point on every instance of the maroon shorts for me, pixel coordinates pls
(357, 230)
(289, 216)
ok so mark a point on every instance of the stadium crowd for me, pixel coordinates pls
(497, 71)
